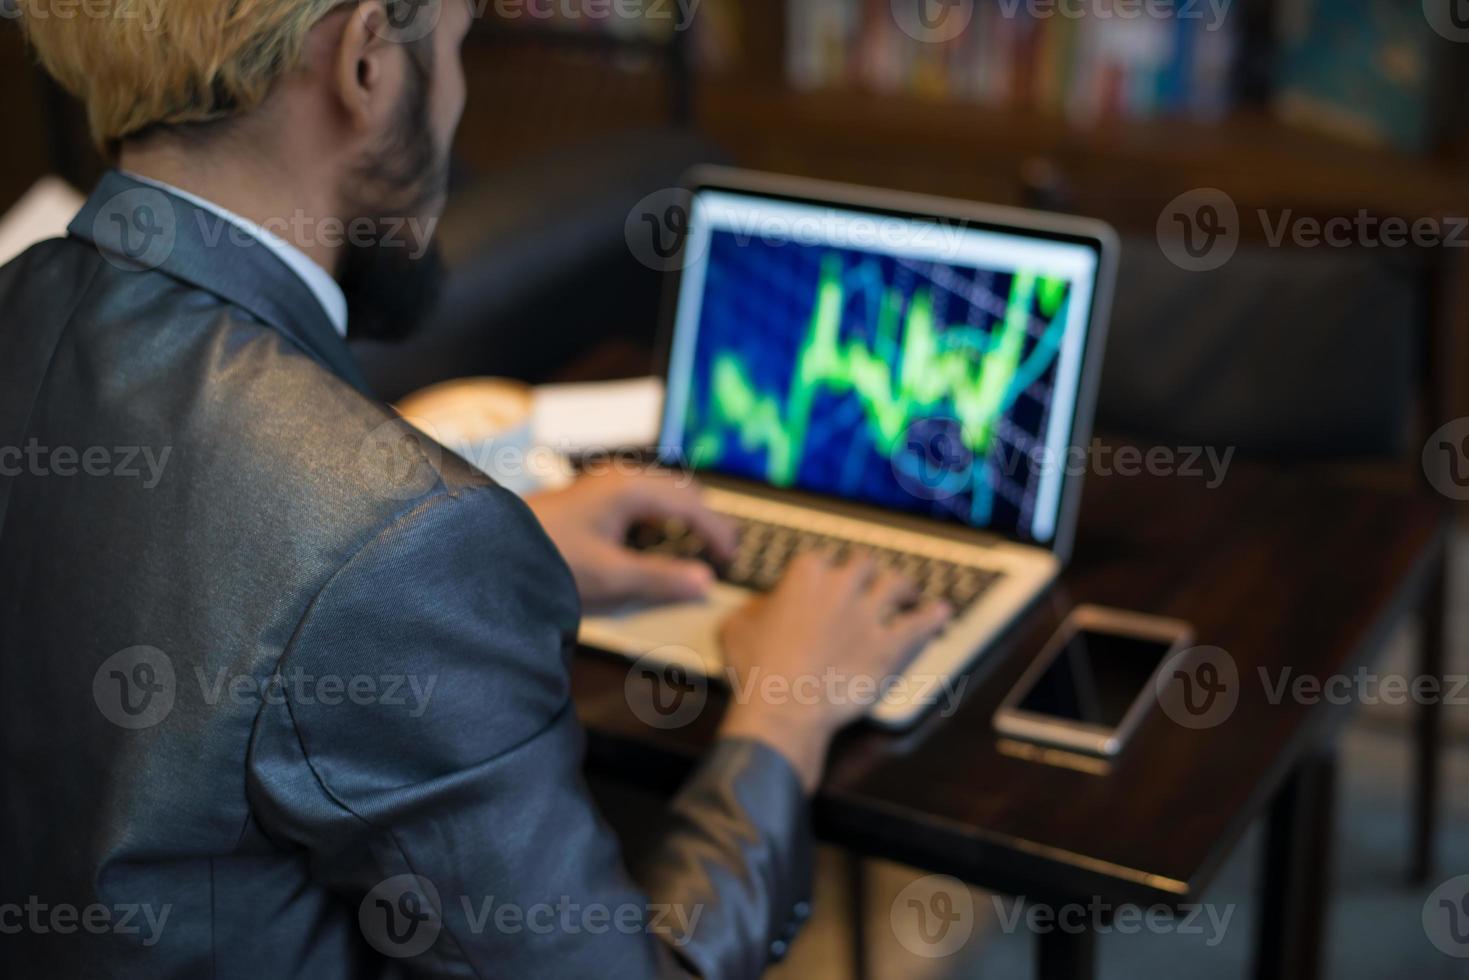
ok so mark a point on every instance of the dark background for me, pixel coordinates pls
(1328, 352)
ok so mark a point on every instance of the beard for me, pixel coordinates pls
(391, 288)
(392, 277)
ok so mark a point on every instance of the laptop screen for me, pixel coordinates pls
(915, 364)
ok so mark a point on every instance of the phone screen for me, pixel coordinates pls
(1096, 678)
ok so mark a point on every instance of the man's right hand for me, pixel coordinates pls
(833, 633)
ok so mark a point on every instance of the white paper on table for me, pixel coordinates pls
(44, 212)
(581, 418)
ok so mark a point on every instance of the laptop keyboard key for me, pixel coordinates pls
(764, 551)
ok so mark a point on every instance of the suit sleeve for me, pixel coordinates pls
(439, 791)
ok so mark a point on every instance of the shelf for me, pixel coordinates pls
(1259, 161)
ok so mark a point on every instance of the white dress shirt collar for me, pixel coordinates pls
(326, 290)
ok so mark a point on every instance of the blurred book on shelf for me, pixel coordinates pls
(1088, 68)
(1362, 70)
(719, 35)
(1372, 72)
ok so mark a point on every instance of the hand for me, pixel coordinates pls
(824, 622)
(589, 522)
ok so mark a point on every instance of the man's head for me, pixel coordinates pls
(350, 105)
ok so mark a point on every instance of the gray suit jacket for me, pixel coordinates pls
(283, 688)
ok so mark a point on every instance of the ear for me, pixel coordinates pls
(367, 67)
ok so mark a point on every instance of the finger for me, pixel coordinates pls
(807, 565)
(889, 589)
(915, 626)
(658, 495)
(658, 577)
(857, 570)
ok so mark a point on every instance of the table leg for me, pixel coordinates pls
(857, 913)
(1066, 954)
(1295, 878)
(1428, 736)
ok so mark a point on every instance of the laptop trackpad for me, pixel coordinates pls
(686, 633)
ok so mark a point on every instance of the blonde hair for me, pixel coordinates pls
(137, 64)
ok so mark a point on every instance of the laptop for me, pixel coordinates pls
(856, 368)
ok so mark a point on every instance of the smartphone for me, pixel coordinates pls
(1094, 681)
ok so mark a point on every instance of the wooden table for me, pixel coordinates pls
(1277, 567)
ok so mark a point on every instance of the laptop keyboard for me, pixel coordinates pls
(765, 549)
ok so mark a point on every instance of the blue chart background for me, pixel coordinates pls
(758, 300)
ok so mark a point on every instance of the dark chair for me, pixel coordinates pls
(1305, 354)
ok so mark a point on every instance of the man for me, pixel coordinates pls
(276, 704)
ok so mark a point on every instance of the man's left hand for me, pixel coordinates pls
(589, 523)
